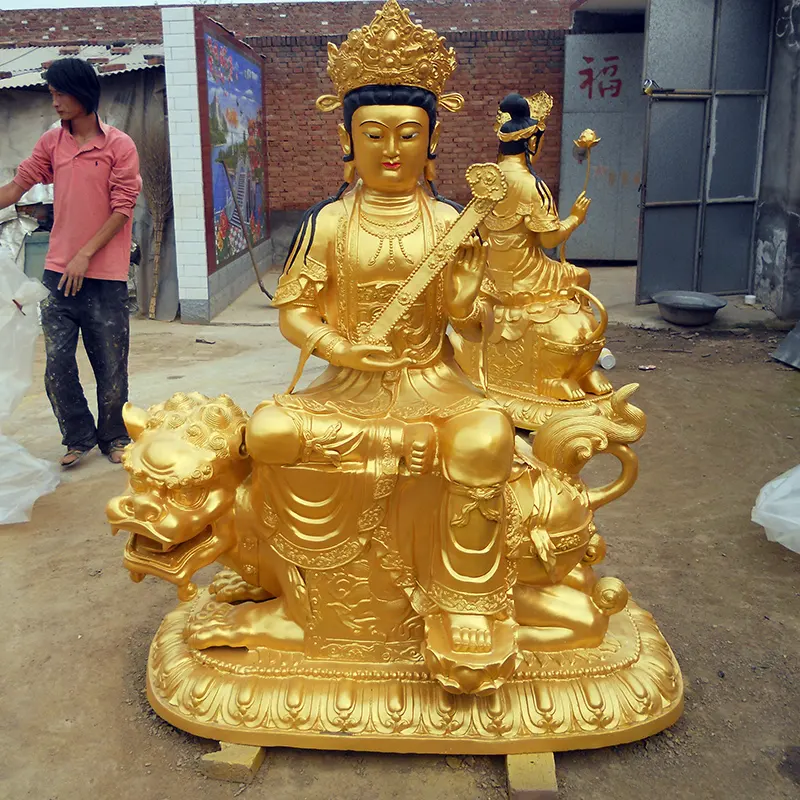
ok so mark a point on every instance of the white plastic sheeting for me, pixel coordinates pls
(777, 509)
(23, 478)
(13, 230)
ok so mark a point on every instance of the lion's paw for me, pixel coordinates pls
(213, 626)
(230, 587)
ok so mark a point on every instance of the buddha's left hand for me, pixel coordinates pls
(465, 275)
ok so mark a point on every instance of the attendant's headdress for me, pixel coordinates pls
(527, 115)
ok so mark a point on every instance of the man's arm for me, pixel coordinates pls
(125, 182)
(36, 169)
(72, 279)
(10, 194)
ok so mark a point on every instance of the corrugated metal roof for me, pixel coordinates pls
(23, 66)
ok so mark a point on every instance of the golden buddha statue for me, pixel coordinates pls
(541, 351)
(399, 566)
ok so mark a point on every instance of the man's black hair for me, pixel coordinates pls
(77, 78)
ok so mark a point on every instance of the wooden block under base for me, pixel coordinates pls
(532, 777)
(237, 763)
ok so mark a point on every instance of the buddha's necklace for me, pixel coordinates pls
(391, 232)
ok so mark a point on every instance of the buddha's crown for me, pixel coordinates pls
(391, 51)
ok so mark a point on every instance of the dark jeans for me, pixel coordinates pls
(100, 313)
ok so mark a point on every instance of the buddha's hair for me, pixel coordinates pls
(389, 96)
(517, 106)
(374, 95)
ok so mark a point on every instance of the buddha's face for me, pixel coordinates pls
(390, 146)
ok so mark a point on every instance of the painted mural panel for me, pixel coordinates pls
(237, 147)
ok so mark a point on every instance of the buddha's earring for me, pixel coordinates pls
(347, 148)
(430, 170)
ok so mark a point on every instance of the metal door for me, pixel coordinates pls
(603, 91)
(709, 61)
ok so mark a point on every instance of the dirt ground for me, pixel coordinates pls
(724, 419)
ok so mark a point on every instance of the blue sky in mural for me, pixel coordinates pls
(234, 88)
(243, 92)
(234, 105)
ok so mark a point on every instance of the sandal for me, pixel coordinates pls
(72, 457)
(114, 454)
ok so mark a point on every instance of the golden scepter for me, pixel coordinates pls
(584, 144)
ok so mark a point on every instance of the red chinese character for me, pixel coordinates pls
(588, 81)
(606, 80)
(613, 86)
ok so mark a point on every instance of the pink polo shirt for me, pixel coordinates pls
(89, 183)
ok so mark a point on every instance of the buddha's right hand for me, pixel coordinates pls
(366, 357)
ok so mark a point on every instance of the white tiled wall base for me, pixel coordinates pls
(184, 139)
(226, 285)
(201, 297)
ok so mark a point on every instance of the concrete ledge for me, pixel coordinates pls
(615, 287)
(736, 315)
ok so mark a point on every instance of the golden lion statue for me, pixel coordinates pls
(188, 505)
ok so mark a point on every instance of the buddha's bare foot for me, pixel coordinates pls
(247, 625)
(470, 633)
(470, 653)
(595, 383)
(230, 587)
(562, 389)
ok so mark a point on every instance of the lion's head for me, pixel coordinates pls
(185, 463)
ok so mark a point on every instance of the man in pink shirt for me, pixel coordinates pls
(94, 169)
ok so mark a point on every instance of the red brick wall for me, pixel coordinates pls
(502, 46)
(304, 153)
(280, 19)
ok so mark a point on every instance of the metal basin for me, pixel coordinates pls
(688, 308)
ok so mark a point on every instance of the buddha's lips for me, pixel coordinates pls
(391, 164)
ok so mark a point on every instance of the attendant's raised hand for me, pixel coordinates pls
(580, 207)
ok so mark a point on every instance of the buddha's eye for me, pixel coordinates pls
(373, 136)
(409, 136)
(190, 497)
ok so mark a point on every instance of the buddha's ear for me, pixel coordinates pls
(135, 420)
(434, 142)
(344, 139)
